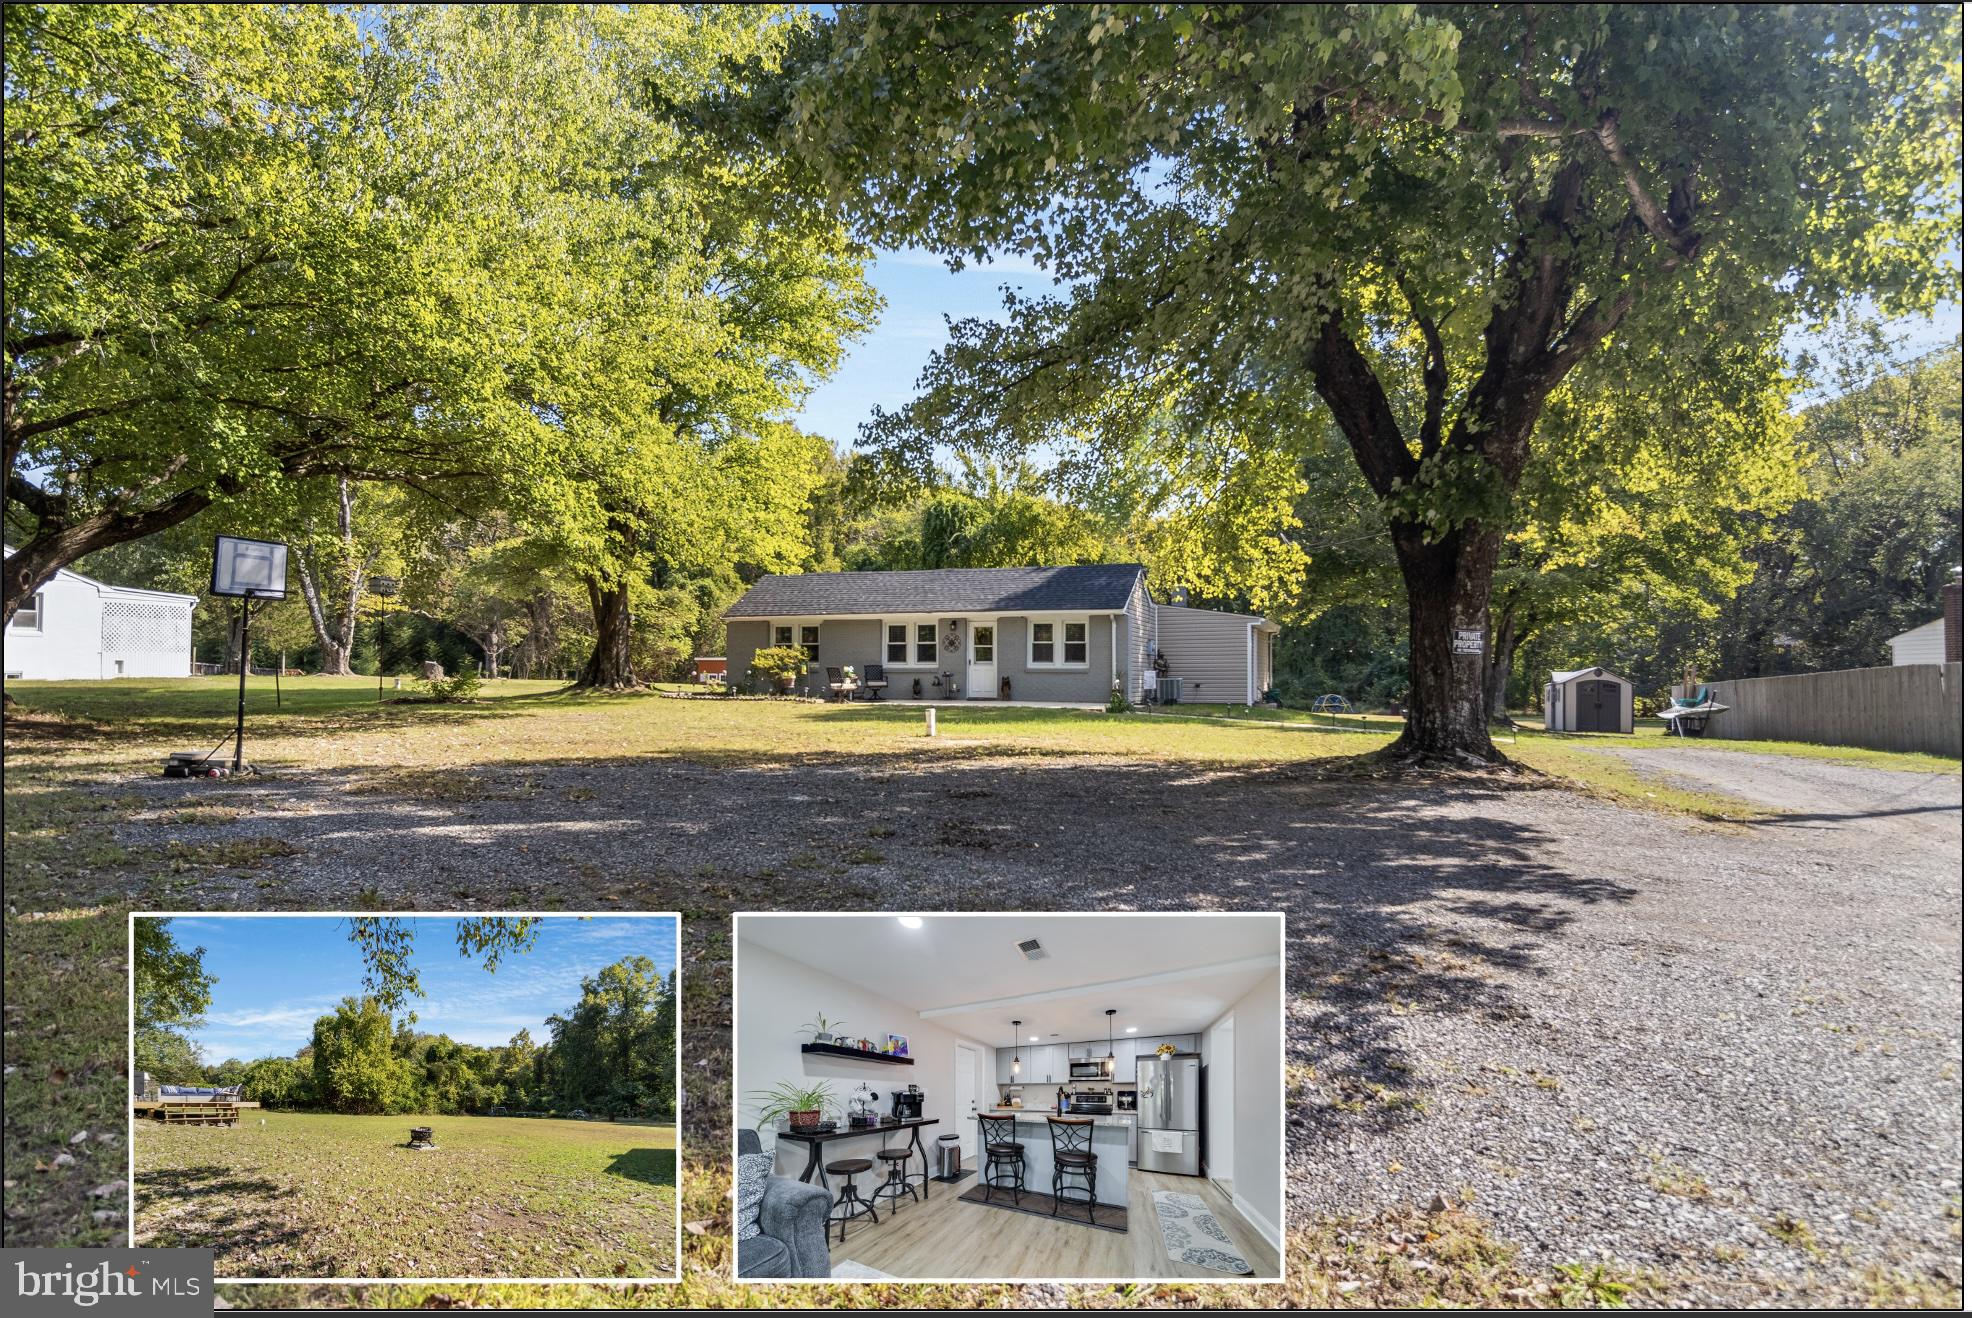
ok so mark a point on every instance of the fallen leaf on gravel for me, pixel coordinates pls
(80, 1137)
(698, 1228)
(106, 1189)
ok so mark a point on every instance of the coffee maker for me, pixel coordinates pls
(906, 1104)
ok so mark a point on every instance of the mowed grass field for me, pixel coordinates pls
(301, 1194)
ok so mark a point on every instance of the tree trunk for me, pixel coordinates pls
(608, 668)
(335, 633)
(1509, 631)
(1448, 582)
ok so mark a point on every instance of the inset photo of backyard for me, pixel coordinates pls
(1036, 1097)
(455, 1097)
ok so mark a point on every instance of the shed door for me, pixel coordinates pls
(1600, 707)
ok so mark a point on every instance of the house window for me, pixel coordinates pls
(911, 644)
(927, 643)
(1058, 644)
(27, 618)
(810, 634)
(897, 643)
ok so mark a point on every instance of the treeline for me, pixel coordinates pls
(613, 1054)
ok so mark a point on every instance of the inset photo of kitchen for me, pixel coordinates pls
(1009, 1097)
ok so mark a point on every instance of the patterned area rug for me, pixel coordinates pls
(851, 1270)
(1107, 1217)
(1192, 1235)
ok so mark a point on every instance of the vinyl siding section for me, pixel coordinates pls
(1209, 651)
(1920, 645)
(1140, 642)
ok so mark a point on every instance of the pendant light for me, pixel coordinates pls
(1109, 1062)
(1016, 1048)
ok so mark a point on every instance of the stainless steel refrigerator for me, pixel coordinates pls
(1171, 1113)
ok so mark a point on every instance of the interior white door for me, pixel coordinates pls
(982, 668)
(966, 1068)
(1222, 1047)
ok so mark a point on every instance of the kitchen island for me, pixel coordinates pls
(1113, 1141)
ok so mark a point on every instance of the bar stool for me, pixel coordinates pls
(850, 1204)
(1006, 1161)
(896, 1183)
(1074, 1156)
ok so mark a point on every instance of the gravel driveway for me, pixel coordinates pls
(1730, 1054)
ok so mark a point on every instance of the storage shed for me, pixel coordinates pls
(1590, 700)
(76, 627)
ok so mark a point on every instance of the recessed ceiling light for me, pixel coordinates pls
(1129, 1029)
(911, 921)
(1033, 1038)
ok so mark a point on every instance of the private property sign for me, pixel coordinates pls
(1468, 640)
(158, 1282)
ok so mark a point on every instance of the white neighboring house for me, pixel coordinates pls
(1924, 644)
(76, 627)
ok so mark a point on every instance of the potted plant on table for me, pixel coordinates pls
(802, 1104)
(781, 664)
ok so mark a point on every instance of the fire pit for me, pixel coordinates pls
(421, 1138)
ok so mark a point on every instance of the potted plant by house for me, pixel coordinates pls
(821, 1029)
(802, 1104)
(781, 665)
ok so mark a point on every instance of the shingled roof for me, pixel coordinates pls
(1096, 588)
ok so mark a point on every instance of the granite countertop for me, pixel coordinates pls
(1042, 1114)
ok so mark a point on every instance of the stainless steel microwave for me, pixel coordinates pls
(1087, 1069)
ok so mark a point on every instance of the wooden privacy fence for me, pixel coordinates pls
(1909, 707)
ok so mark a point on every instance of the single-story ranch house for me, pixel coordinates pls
(1067, 634)
(76, 627)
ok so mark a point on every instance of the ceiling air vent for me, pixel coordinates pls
(1031, 949)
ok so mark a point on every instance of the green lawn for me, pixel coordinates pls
(302, 1194)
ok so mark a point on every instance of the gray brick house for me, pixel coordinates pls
(1069, 634)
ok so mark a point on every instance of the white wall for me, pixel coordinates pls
(1920, 645)
(773, 995)
(1220, 1049)
(1259, 1107)
(150, 634)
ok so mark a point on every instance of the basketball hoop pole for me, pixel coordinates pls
(246, 661)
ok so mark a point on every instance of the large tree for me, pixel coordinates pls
(170, 992)
(1420, 219)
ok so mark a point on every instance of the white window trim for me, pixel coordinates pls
(37, 604)
(795, 625)
(1062, 622)
(910, 622)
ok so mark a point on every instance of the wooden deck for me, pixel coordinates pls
(190, 1112)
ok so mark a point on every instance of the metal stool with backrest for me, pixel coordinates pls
(849, 1204)
(1006, 1161)
(1074, 1156)
(898, 1183)
(874, 681)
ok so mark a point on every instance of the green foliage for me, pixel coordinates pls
(1414, 221)
(461, 686)
(279, 1082)
(615, 1053)
(171, 991)
(775, 1104)
(780, 662)
(355, 1067)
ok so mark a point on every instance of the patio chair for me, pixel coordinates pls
(874, 681)
(842, 686)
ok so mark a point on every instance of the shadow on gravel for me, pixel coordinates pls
(1401, 899)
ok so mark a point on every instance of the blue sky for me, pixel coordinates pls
(277, 974)
(882, 369)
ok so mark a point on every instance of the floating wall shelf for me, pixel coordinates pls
(859, 1054)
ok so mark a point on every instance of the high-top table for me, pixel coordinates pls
(815, 1139)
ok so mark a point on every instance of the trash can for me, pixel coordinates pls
(951, 1157)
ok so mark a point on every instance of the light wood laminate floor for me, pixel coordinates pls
(946, 1238)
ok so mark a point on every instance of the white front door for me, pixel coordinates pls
(982, 669)
(967, 1065)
